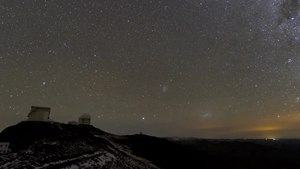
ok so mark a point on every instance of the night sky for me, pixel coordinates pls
(188, 68)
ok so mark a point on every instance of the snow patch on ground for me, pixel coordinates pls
(104, 158)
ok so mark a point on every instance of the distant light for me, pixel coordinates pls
(272, 139)
(143, 118)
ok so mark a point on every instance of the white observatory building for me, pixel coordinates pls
(39, 114)
(84, 119)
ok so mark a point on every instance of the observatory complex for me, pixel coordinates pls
(84, 119)
(43, 114)
(39, 114)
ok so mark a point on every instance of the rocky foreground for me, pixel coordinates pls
(56, 145)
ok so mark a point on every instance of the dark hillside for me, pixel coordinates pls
(56, 145)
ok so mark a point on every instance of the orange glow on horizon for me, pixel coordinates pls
(269, 128)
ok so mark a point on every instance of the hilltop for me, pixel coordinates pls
(57, 145)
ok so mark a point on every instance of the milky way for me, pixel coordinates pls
(195, 68)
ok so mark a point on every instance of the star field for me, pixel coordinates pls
(195, 68)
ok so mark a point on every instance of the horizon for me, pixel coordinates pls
(269, 137)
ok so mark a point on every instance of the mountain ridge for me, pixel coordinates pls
(56, 145)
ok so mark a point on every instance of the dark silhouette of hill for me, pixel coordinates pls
(56, 145)
(24, 134)
(232, 154)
